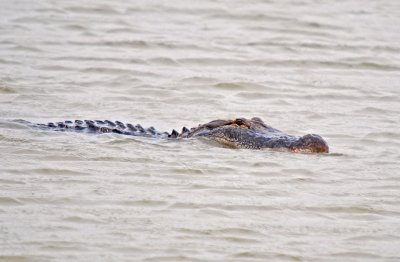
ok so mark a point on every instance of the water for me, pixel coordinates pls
(328, 67)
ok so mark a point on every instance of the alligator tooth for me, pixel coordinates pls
(131, 127)
(174, 134)
(109, 123)
(120, 124)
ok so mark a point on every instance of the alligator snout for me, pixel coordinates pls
(311, 143)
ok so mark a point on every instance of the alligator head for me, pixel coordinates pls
(255, 134)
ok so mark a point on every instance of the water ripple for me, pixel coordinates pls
(329, 68)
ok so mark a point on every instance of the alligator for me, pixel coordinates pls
(237, 133)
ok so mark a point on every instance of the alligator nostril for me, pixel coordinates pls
(315, 143)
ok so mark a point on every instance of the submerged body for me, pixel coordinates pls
(238, 133)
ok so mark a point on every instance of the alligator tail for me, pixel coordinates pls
(98, 127)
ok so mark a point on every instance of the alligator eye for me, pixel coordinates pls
(241, 122)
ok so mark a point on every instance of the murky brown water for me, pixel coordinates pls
(327, 67)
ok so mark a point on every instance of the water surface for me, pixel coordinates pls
(306, 66)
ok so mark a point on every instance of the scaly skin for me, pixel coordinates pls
(238, 133)
(255, 134)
